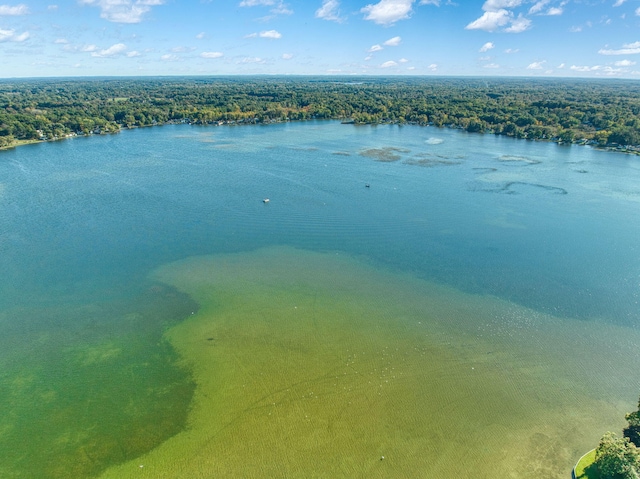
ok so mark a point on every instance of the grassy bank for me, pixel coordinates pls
(586, 468)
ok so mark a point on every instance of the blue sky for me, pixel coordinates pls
(560, 38)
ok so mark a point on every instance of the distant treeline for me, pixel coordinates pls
(602, 112)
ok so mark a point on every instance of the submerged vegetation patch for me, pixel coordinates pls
(388, 154)
(516, 187)
(518, 159)
(431, 160)
(109, 390)
(513, 187)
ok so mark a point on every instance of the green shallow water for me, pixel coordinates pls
(76, 399)
(319, 365)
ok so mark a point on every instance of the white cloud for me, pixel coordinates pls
(490, 21)
(168, 57)
(491, 65)
(287, 56)
(387, 12)
(212, 54)
(52, 8)
(251, 60)
(253, 3)
(330, 10)
(273, 34)
(61, 41)
(389, 64)
(21, 38)
(561, 66)
(375, 48)
(638, 11)
(619, 2)
(537, 8)
(403, 60)
(11, 36)
(89, 48)
(21, 9)
(627, 49)
(112, 51)
(496, 16)
(279, 9)
(519, 25)
(577, 29)
(133, 54)
(430, 2)
(433, 67)
(624, 63)
(512, 50)
(486, 47)
(123, 11)
(497, 5)
(578, 68)
(393, 42)
(182, 49)
(536, 65)
(201, 35)
(282, 9)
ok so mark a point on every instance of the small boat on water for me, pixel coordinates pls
(266, 200)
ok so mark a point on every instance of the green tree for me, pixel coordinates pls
(633, 430)
(617, 458)
(566, 136)
(475, 126)
(624, 136)
(602, 137)
(6, 140)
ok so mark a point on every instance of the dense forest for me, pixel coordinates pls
(599, 112)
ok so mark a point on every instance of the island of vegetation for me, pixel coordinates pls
(604, 113)
(615, 457)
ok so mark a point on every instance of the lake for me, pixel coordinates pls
(410, 302)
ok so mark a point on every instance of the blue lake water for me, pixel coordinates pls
(86, 371)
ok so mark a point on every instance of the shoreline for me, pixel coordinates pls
(627, 149)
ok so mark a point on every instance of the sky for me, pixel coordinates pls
(548, 38)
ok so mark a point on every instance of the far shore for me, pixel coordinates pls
(627, 149)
